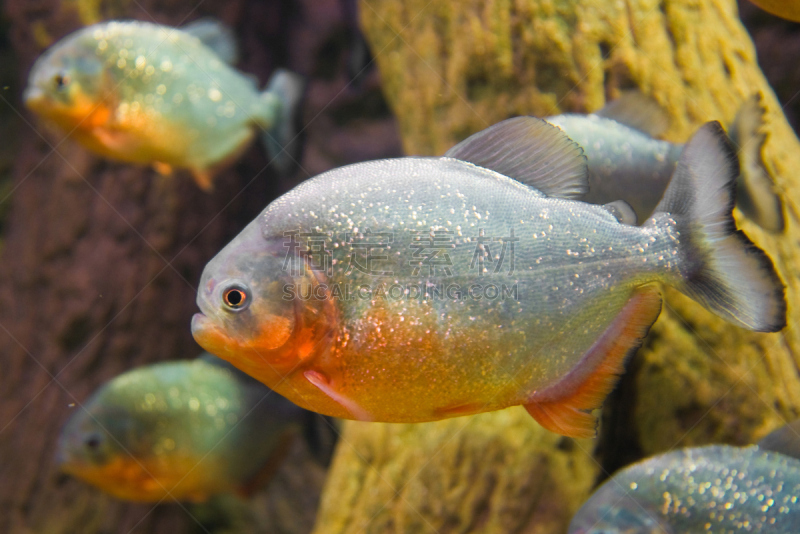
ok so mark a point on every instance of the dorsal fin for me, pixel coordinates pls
(531, 151)
(622, 211)
(785, 440)
(215, 35)
(638, 111)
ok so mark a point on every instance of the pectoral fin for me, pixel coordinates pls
(164, 169)
(565, 407)
(321, 381)
(203, 180)
(112, 139)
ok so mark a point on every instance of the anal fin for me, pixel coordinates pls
(564, 407)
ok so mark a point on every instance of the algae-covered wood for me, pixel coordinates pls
(493, 472)
(451, 68)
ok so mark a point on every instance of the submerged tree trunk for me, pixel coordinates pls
(453, 68)
(100, 259)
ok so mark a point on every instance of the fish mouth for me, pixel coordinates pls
(200, 324)
(67, 463)
(34, 97)
(61, 459)
(207, 334)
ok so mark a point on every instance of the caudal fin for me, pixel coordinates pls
(721, 268)
(281, 139)
(755, 190)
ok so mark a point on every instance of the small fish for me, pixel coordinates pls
(717, 488)
(155, 95)
(415, 289)
(627, 163)
(185, 430)
(786, 9)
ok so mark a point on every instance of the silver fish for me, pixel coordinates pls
(183, 429)
(155, 95)
(413, 337)
(717, 488)
(627, 163)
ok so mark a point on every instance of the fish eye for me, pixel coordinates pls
(236, 297)
(61, 81)
(93, 442)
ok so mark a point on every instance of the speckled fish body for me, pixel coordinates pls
(576, 297)
(151, 94)
(184, 430)
(628, 164)
(381, 349)
(718, 488)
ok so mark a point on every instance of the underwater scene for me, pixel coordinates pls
(382, 266)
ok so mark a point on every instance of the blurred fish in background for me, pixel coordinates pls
(156, 95)
(184, 429)
(627, 162)
(716, 488)
(787, 9)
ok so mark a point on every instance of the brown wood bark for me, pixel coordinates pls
(100, 259)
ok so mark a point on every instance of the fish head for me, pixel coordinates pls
(608, 512)
(136, 439)
(119, 448)
(97, 441)
(251, 318)
(65, 84)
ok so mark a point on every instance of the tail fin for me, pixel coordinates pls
(755, 190)
(280, 139)
(721, 268)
